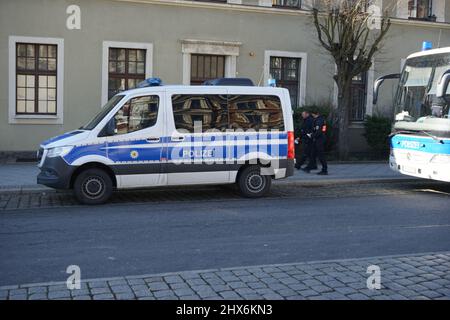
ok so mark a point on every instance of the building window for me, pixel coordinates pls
(292, 4)
(358, 97)
(205, 67)
(126, 68)
(420, 9)
(36, 74)
(286, 72)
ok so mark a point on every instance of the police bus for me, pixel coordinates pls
(420, 139)
(156, 135)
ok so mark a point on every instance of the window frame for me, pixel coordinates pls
(283, 70)
(126, 75)
(192, 46)
(35, 118)
(303, 56)
(362, 108)
(413, 12)
(199, 81)
(276, 4)
(36, 73)
(123, 45)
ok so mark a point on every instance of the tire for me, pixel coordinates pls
(93, 186)
(252, 184)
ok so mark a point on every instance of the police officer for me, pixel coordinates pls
(306, 131)
(319, 138)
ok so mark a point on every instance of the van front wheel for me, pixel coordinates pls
(253, 184)
(93, 186)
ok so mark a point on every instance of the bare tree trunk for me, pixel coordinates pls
(344, 100)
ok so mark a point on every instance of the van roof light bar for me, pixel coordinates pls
(150, 82)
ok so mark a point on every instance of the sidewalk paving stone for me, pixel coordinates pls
(349, 283)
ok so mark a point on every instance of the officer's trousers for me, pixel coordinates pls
(319, 153)
(307, 150)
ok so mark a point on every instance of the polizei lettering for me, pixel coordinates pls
(198, 153)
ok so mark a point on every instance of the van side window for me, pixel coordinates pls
(137, 114)
(210, 110)
(255, 112)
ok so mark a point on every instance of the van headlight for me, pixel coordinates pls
(59, 151)
(441, 158)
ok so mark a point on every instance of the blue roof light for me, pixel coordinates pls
(150, 82)
(427, 45)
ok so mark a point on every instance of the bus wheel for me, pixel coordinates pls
(93, 186)
(252, 184)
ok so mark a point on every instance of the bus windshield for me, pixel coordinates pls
(105, 110)
(416, 94)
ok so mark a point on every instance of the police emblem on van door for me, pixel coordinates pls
(134, 154)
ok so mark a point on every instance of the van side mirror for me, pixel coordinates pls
(379, 81)
(442, 85)
(109, 129)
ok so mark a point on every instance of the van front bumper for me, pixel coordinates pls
(55, 173)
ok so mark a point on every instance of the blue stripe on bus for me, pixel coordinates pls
(423, 144)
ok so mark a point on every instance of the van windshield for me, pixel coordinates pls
(105, 110)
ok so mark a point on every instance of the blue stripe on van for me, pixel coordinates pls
(60, 137)
(89, 150)
(141, 150)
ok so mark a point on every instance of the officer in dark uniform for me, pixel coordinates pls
(306, 131)
(319, 139)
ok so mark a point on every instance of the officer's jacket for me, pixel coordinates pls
(307, 127)
(319, 127)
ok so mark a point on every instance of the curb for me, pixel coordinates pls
(330, 182)
(199, 271)
(26, 189)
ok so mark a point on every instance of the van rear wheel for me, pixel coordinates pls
(93, 186)
(252, 184)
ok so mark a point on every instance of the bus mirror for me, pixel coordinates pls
(442, 86)
(379, 81)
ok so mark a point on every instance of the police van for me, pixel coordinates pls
(158, 135)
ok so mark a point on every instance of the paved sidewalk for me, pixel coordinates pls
(22, 177)
(421, 276)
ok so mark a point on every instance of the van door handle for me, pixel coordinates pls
(153, 139)
(177, 138)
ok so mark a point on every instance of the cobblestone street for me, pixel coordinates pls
(402, 277)
(297, 189)
(131, 246)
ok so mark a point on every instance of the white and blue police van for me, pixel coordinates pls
(157, 135)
